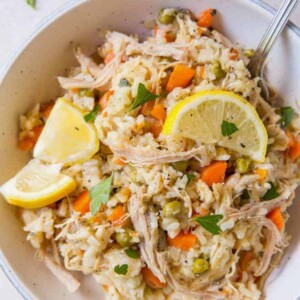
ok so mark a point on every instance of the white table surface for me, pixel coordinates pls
(17, 21)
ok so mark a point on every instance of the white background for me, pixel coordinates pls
(17, 21)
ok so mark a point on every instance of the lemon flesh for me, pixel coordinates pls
(67, 138)
(200, 118)
(37, 185)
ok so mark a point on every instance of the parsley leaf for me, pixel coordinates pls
(132, 253)
(91, 116)
(124, 82)
(99, 194)
(190, 177)
(286, 113)
(121, 269)
(210, 223)
(143, 96)
(228, 128)
(271, 192)
(32, 3)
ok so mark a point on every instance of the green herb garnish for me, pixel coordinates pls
(121, 269)
(228, 128)
(124, 82)
(99, 194)
(210, 223)
(32, 3)
(91, 116)
(271, 192)
(286, 113)
(132, 253)
(143, 96)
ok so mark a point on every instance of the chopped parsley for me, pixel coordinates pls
(210, 223)
(32, 3)
(99, 194)
(228, 128)
(271, 192)
(121, 269)
(132, 253)
(143, 96)
(91, 116)
(286, 113)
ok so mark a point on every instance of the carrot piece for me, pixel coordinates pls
(75, 90)
(82, 203)
(180, 77)
(109, 57)
(183, 241)
(245, 260)
(203, 212)
(214, 173)
(151, 279)
(26, 144)
(261, 173)
(291, 139)
(159, 112)
(205, 19)
(294, 152)
(147, 108)
(276, 217)
(47, 110)
(117, 214)
(120, 161)
(170, 37)
(202, 71)
(156, 128)
(29, 142)
(234, 54)
(37, 132)
(104, 99)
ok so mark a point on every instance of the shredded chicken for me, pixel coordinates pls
(142, 157)
(101, 82)
(145, 223)
(274, 239)
(176, 51)
(261, 208)
(62, 275)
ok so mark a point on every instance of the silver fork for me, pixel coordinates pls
(273, 31)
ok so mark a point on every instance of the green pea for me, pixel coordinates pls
(243, 165)
(180, 166)
(124, 238)
(172, 208)
(166, 16)
(217, 70)
(200, 265)
(249, 53)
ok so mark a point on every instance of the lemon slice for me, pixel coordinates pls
(67, 138)
(37, 185)
(200, 118)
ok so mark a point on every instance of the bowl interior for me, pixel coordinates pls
(31, 78)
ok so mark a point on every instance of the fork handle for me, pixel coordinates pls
(270, 36)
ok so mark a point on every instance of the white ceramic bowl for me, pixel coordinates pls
(30, 77)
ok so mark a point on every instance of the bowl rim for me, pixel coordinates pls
(58, 12)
